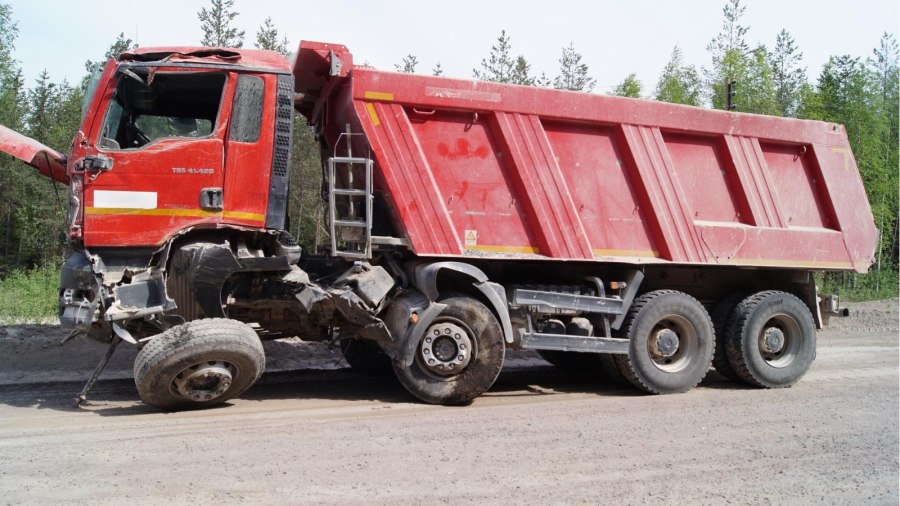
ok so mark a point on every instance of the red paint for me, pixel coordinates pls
(581, 176)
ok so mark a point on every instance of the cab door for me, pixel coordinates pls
(155, 161)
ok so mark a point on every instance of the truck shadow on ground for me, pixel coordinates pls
(118, 397)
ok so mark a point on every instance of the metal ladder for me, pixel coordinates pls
(354, 231)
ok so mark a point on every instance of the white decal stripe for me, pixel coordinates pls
(125, 200)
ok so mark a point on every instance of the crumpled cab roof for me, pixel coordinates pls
(252, 58)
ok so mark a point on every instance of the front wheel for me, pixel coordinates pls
(459, 355)
(199, 364)
(671, 342)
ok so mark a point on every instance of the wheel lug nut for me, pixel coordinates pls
(427, 339)
(437, 332)
(462, 346)
(460, 358)
(446, 331)
(425, 351)
(431, 361)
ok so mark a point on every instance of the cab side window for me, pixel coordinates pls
(246, 115)
(183, 104)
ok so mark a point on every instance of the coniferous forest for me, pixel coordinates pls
(858, 91)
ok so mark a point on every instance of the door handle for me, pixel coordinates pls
(211, 199)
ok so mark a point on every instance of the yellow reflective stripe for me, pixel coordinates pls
(377, 95)
(764, 262)
(195, 213)
(504, 249)
(372, 114)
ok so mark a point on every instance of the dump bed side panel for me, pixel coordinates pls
(482, 169)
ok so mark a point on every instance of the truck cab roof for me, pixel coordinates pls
(249, 58)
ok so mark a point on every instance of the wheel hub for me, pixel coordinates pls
(664, 343)
(446, 349)
(772, 340)
(204, 381)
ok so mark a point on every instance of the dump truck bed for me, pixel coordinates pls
(470, 168)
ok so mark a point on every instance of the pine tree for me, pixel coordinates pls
(8, 34)
(40, 101)
(730, 54)
(521, 72)
(573, 75)
(679, 83)
(884, 67)
(437, 71)
(543, 81)
(216, 25)
(787, 74)
(407, 65)
(758, 88)
(267, 37)
(499, 67)
(629, 87)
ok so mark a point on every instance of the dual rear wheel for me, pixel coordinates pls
(765, 339)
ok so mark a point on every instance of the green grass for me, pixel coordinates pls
(853, 287)
(29, 295)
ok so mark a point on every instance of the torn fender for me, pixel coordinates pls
(47, 161)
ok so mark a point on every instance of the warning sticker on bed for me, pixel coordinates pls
(471, 237)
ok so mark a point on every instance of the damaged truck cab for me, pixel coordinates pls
(648, 240)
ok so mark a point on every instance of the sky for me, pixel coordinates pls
(615, 38)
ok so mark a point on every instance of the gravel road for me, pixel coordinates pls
(314, 432)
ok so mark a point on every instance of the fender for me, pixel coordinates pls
(425, 280)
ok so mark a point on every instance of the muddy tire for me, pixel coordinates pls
(366, 357)
(772, 340)
(722, 315)
(199, 364)
(671, 342)
(458, 357)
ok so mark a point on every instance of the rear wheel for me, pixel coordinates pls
(199, 364)
(671, 342)
(772, 339)
(722, 315)
(459, 355)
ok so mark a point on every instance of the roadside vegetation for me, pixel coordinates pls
(858, 91)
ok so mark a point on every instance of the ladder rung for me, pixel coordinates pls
(350, 192)
(350, 160)
(349, 223)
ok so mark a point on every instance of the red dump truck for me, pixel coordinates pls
(646, 239)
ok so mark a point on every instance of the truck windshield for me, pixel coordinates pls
(178, 104)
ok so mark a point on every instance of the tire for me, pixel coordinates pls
(366, 357)
(169, 370)
(610, 367)
(767, 315)
(722, 315)
(441, 382)
(657, 362)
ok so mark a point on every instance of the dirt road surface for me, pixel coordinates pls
(314, 432)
